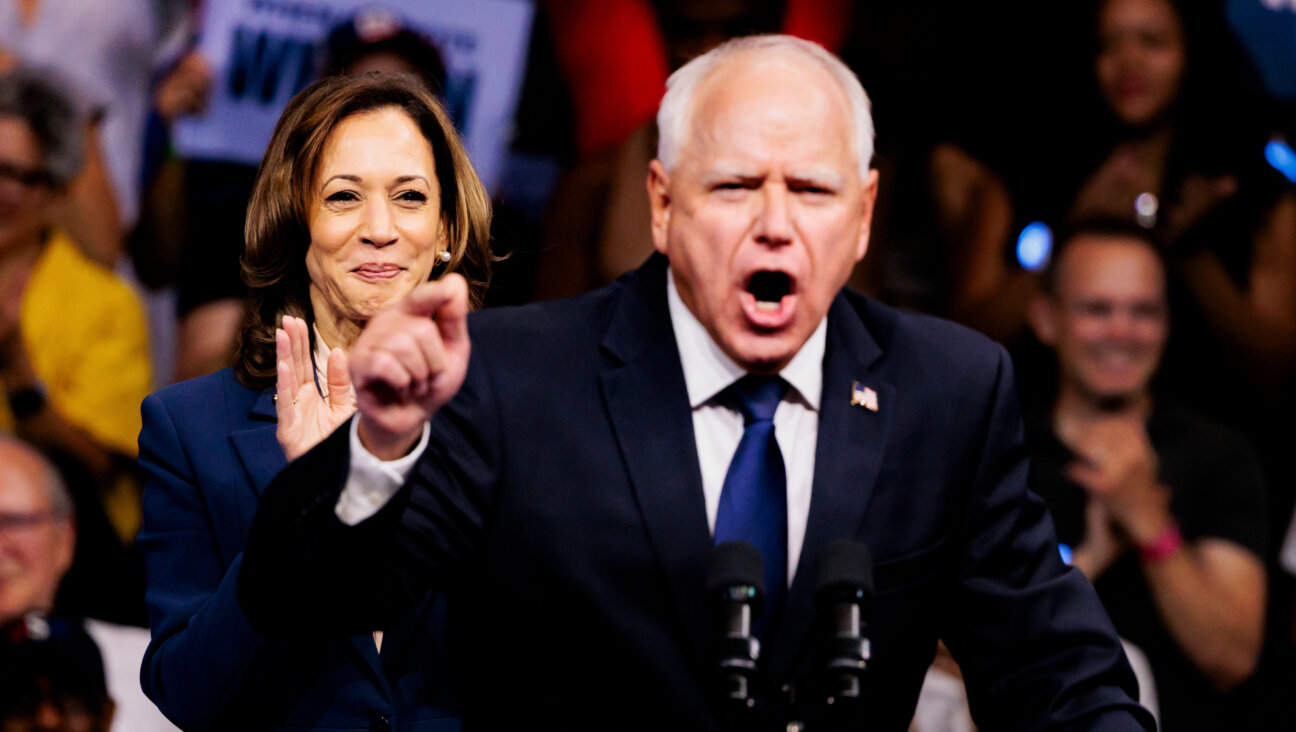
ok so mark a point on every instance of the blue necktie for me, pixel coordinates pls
(753, 501)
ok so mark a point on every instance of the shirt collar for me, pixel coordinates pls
(708, 370)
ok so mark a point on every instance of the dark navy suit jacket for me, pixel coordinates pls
(560, 503)
(209, 448)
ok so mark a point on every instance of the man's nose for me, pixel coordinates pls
(379, 226)
(1120, 324)
(773, 224)
(1132, 55)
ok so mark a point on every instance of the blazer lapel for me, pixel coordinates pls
(257, 446)
(647, 401)
(848, 455)
(258, 449)
(402, 633)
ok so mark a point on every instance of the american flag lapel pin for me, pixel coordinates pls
(863, 396)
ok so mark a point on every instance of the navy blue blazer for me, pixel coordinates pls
(209, 448)
(560, 502)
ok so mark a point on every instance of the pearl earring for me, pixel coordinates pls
(445, 255)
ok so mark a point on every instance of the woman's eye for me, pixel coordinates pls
(413, 196)
(342, 197)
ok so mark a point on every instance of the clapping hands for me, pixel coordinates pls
(1117, 467)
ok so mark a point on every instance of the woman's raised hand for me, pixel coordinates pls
(305, 416)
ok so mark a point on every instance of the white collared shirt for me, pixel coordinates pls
(717, 429)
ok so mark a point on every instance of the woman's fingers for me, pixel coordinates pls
(285, 370)
(297, 333)
(341, 395)
(285, 394)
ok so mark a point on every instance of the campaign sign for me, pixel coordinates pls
(262, 52)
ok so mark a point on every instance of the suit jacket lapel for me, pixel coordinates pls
(400, 635)
(647, 402)
(848, 454)
(258, 449)
(257, 446)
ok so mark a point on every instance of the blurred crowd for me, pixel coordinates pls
(1104, 187)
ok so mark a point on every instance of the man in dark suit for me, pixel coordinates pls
(583, 461)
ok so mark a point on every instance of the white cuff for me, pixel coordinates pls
(372, 482)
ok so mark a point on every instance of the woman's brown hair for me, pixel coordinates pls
(277, 232)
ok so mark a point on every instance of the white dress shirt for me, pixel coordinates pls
(718, 429)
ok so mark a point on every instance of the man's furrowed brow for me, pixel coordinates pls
(723, 172)
(819, 176)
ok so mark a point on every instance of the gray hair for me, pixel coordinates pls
(675, 112)
(40, 469)
(39, 100)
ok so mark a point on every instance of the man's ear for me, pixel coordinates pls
(659, 201)
(1042, 314)
(866, 213)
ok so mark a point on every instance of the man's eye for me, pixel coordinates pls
(732, 186)
(816, 190)
(1147, 312)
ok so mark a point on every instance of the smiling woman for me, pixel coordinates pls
(348, 155)
(374, 224)
(364, 194)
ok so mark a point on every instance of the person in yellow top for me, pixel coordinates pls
(74, 359)
(86, 338)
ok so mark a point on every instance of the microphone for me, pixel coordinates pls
(843, 593)
(735, 589)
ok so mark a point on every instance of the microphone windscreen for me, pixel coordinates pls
(735, 563)
(844, 565)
